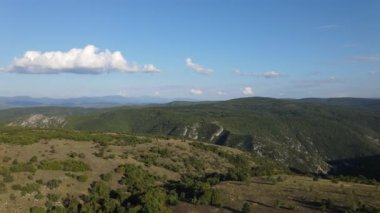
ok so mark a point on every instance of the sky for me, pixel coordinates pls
(198, 49)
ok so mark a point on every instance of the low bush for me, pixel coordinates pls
(65, 165)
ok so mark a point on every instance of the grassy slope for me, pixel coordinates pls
(264, 194)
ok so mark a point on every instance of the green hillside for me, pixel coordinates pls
(301, 134)
(58, 170)
(304, 135)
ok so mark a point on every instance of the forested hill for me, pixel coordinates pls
(305, 134)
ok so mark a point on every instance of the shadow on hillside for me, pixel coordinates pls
(315, 205)
(322, 205)
(368, 167)
(231, 209)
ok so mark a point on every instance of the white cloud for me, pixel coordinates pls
(270, 74)
(367, 58)
(196, 91)
(374, 73)
(198, 68)
(88, 60)
(247, 91)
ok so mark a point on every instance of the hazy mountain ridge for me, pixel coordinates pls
(94, 102)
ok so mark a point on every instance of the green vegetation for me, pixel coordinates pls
(37, 210)
(271, 127)
(185, 174)
(66, 165)
(246, 208)
(29, 136)
(106, 177)
(27, 188)
(6, 173)
(135, 178)
(3, 188)
(23, 167)
(52, 184)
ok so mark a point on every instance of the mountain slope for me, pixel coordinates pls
(302, 134)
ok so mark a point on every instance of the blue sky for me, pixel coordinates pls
(199, 49)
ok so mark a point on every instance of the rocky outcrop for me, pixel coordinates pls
(39, 121)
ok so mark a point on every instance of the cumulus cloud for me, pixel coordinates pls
(196, 91)
(87, 60)
(198, 68)
(270, 74)
(367, 58)
(247, 91)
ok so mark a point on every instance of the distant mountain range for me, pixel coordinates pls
(113, 101)
(94, 102)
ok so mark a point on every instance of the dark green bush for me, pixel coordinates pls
(54, 183)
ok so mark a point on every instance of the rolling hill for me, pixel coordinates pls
(304, 134)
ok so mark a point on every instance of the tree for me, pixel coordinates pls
(154, 201)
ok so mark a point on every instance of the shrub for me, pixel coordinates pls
(6, 159)
(82, 178)
(37, 210)
(54, 183)
(246, 208)
(53, 197)
(38, 196)
(16, 187)
(6, 173)
(237, 174)
(217, 198)
(23, 167)
(172, 198)
(34, 159)
(66, 165)
(3, 188)
(154, 201)
(136, 178)
(106, 177)
(100, 189)
(27, 189)
(8, 178)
